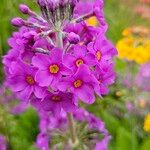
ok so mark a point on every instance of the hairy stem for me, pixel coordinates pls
(59, 36)
(72, 128)
(59, 39)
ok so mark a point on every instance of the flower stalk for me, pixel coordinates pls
(59, 42)
(72, 128)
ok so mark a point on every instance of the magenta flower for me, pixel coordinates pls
(78, 57)
(15, 42)
(92, 7)
(22, 80)
(55, 102)
(102, 49)
(81, 84)
(106, 76)
(50, 68)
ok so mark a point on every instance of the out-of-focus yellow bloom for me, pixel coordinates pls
(118, 93)
(135, 46)
(142, 103)
(136, 31)
(92, 21)
(147, 123)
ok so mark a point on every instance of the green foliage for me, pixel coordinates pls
(146, 145)
(126, 140)
(111, 122)
(21, 130)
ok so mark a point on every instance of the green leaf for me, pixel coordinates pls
(112, 123)
(126, 140)
(146, 145)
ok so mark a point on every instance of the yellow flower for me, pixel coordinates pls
(147, 123)
(92, 21)
(134, 48)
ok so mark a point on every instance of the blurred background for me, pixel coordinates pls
(126, 109)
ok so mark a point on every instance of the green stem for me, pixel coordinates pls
(72, 128)
(59, 39)
(59, 35)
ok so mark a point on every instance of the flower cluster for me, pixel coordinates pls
(58, 58)
(91, 131)
(135, 45)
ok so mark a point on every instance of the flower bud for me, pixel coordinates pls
(53, 4)
(24, 9)
(42, 3)
(17, 22)
(73, 38)
(73, 2)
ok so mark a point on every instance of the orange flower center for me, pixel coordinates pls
(98, 55)
(30, 80)
(54, 69)
(79, 62)
(56, 98)
(78, 83)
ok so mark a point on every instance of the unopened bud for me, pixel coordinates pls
(24, 9)
(42, 3)
(73, 38)
(73, 2)
(17, 22)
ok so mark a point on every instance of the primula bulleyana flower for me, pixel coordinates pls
(60, 52)
(57, 59)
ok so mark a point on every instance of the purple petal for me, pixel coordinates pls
(65, 70)
(91, 47)
(62, 86)
(82, 71)
(56, 55)
(39, 92)
(41, 61)
(26, 93)
(68, 60)
(86, 94)
(80, 51)
(68, 106)
(17, 83)
(43, 78)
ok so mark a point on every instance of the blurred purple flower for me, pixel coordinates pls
(55, 102)
(143, 77)
(3, 145)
